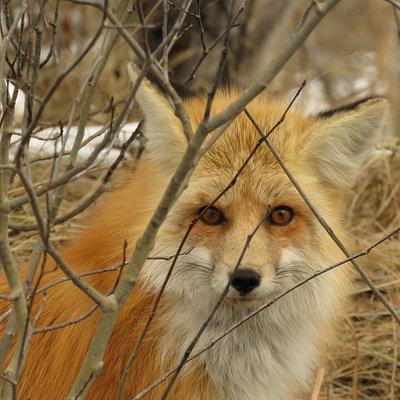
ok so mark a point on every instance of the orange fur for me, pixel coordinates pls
(54, 358)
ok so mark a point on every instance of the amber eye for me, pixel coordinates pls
(281, 216)
(211, 216)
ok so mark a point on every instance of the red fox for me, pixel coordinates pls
(273, 356)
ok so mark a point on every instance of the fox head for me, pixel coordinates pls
(324, 153)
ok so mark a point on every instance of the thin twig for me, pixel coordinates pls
(302, 282)
(73, 321)
(394, 3)
(221, 64)
(203, 327)
(207, 49)
(323, 223)
(60, 78)
(192, 224)
(297, 39)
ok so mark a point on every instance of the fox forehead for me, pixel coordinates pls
(261, 181)
(258, 189)
(239, 139)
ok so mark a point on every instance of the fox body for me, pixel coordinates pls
(273, 356)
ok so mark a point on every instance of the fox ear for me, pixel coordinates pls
(344, 138)
(163, 130)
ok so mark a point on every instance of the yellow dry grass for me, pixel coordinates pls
(367, 360)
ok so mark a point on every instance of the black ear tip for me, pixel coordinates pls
(352, 106)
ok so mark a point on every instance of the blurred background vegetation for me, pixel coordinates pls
(354, 52)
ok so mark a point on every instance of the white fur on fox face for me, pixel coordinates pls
(290, 255)
(192, 269)
(292, 266)
(195, 274)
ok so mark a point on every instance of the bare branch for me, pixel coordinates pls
(221, 64)
(307, 279)
(192, 224)
(73, 321)
(154, 67)
(203, 327)
(298, 38)
(324, 224)
(394, 3)
(53, 89)
(19, 201)
(93, 195)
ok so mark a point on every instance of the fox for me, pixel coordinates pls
(272, 356)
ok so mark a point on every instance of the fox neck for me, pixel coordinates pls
(257, 359)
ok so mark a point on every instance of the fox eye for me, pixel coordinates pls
(211, 216)
(281, 215)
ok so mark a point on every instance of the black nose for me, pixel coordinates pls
(245, 280)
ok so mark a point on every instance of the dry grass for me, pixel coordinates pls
(23, 242)
(366, 363)
(367, 360)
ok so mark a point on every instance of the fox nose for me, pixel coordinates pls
(245, 280)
